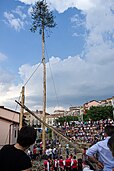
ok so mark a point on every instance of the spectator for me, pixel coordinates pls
(79, 164)
(68, 163)
(105, 159)
(61, 163)
(111, 144)
(13, 157)
(74, 164)
(55, 164)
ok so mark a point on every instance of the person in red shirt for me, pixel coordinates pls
(55, 165)
(71, 156)
(34, 153)
(68, 164)
(46, 165)
(61, 163)
(74, 164)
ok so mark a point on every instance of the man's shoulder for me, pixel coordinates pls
(6, 147)
(102, 142)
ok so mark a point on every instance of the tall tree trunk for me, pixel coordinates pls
(44, 90)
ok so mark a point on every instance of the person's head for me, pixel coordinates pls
(26, 136)
(74, 157)
(109, 130)
(111, 144)
(61, 157)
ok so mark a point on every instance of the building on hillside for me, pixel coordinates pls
(51, 118)
(89, 104)
(74, 111)
(107, 102)
(59, 111)
(32, 120)
(9, 126)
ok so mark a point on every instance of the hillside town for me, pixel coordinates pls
(9, 119)
(82, 134)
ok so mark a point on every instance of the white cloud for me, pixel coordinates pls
(100, 41)
(3, 57)
(15, 23)
(18, 11)
(17, 19)
(28, 1)
(76, 79)
(62, 5)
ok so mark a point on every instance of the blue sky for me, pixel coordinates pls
(79, 51)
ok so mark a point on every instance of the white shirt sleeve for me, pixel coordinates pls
(72, 162)
(92, 150)
(64, 162)
(48, 166)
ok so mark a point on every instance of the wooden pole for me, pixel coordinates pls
(22, 109)
(44, 90)
(52, 128)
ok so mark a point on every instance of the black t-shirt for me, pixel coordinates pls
(13, 159)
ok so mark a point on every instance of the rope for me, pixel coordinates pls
(52, 78)
(32, 74)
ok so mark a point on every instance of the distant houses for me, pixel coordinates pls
(9, 119)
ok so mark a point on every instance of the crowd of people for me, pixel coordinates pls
(98, 157)
(89, 132)
(68, 163)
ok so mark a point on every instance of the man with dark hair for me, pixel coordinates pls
(105, 161)
(13, 157)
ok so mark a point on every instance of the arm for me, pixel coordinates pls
(94, 160)
(90, 153)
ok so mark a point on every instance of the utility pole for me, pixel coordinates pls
(22, 109)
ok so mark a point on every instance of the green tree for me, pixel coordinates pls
(100, 112)
(42, 18)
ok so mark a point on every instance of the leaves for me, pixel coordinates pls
(42, 17)
(99, 112)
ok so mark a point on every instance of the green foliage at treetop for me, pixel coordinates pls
(42, 17)
(96, 113)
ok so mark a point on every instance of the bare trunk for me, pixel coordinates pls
(44, 91)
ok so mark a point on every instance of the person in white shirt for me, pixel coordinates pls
(111, 146)
(105, 160)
